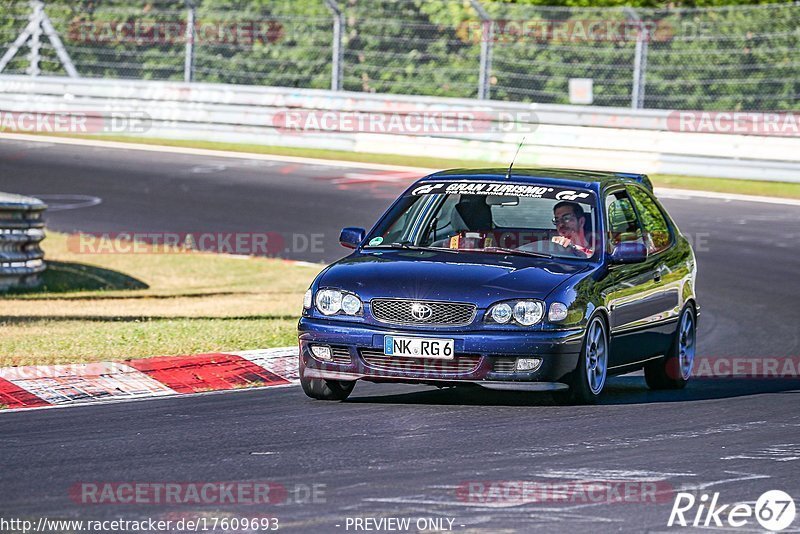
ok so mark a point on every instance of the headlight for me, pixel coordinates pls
(528, 312)
(333, 301)
(501, 313)
(523, 312)
(329, 301)
(351, 304)
(307, 300)
(558, 312)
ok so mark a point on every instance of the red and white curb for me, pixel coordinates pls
(63, 385)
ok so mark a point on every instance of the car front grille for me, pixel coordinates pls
(504, 365)
(340, 355)
(396, 311)
(461, 363)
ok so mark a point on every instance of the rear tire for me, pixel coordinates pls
(587, 381)
(321, 389)
(673, 371)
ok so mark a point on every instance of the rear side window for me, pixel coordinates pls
(657, 232)
(623, 225)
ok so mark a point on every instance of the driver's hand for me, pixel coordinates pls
(561, 240)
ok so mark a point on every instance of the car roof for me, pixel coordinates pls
(596, 180)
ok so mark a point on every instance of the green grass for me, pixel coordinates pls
(343, 155)
(727, 185)
(97, 307)
(721, 185)
(57, 341)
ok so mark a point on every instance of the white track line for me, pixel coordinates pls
(213, 153)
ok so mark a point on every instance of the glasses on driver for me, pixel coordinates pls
(564, 219)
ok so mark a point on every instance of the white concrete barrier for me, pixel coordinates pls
(617, 139)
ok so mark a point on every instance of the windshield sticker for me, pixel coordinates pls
(375, 241)
(495, 188)
(570, 195)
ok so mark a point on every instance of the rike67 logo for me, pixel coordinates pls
(774, 511)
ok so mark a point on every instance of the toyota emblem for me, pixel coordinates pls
(421, 312)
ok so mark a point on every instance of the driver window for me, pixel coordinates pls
(442, 225)
(623, 226)
(397, 231)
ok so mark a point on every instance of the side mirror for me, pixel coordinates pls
(630, 252)
(351, 236)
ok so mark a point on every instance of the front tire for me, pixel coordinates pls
(321, 389)
(589, 377)
(673, 371)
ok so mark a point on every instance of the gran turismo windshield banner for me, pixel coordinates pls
(499, 188)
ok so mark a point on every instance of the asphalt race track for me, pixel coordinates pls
(408, 451)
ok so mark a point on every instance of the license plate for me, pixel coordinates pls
(417, 347)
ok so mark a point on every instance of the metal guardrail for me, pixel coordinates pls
(619, 139)
(21, 232)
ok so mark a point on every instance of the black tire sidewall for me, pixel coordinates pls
(321, 389)
(580, 392)
(665, 373)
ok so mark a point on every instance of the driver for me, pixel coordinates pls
(570, 220)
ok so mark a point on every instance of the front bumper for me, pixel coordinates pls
(482, 357)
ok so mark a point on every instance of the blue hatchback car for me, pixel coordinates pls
(535, 280)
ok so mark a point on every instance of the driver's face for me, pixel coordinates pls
(567, 224)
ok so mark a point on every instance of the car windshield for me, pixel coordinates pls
(493, 218)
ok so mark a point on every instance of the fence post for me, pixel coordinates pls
(639, 60)
(35, 44)
(38, 22)
(337, 59)
(188, 60)
(486, 51)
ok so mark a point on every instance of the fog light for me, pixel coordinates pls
(528, 364)
(321, 352)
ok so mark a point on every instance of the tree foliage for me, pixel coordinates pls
(703, 54)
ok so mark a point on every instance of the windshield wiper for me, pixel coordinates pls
(409, 246)
(517, 251)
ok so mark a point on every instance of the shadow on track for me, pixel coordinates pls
(619, 390)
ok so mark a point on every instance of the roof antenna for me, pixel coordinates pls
(508, 173)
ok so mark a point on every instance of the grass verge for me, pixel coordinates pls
(720, 185)
(114, 306)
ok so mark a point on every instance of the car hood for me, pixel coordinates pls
(479, 278)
